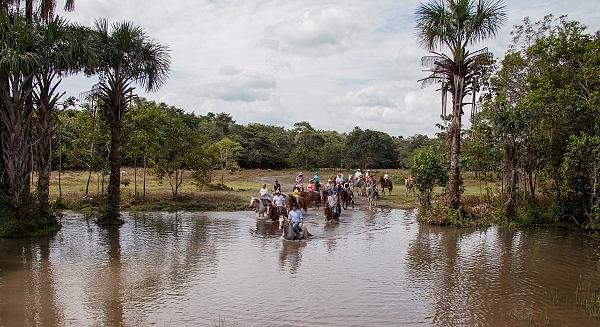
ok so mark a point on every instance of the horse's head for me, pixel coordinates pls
(254, 203)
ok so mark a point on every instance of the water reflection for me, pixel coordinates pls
(189, 269)
(26, 284)
(290, 255)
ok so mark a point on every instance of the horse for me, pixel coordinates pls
(315, 198)
(372, 197)
(261, 209)
(324, 195)
(360, 184)
(409, 184)
(330, 216)
(288, 230)
(386, 183)
(346, 197)
(302, 203)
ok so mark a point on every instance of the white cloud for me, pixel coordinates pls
(334, 63)
(229, 70)
(318, 32)
(247, 87)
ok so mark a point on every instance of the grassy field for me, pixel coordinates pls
(244, 185)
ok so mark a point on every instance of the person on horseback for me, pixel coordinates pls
(276, 186)
(339, 178)
(295, 217)
(296, 195)
(311, 188)
(333, 201)
(358, 174)
(265, 197)
(279, 201)
(386, 176)
(317, 180)
(300, 181)
(369, 176)
(328, 185)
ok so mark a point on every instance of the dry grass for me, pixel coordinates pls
(244, 184)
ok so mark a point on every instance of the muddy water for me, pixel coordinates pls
(373, 269)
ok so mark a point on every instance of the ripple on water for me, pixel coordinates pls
(374, 268)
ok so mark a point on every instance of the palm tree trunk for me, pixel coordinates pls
(454, 131)
(114, 181)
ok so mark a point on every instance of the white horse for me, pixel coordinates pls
(258, 206)
(288, 230)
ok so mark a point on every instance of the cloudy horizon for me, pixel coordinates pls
(335, 64)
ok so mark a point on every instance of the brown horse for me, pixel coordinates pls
(346, 197)
(386, 183)
(315, 198)
(302, 202)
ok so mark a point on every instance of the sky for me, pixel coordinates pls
(336, 64)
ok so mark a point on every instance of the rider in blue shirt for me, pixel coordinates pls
(296, 218)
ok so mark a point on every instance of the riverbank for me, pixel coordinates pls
(240, 187)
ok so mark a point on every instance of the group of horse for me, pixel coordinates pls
(319, 198)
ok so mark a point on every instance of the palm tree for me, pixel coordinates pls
(43, 8)
(453, 25)
(18, 64)
(64, 49)
(125, 56)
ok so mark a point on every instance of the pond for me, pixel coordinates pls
(373, 269)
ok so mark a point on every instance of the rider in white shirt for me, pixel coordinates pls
(279, 201)
(265, 197)
(386, 176)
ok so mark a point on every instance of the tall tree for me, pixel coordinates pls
(41, 8)
(18, 64)
(126, 56)
(62, 48)
(454, 25)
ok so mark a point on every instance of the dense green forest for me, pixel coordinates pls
(167, 139)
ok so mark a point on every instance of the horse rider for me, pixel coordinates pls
(358, 174)
(333, 201)
(300, 181)
(317, 180)
(279, 201)
(265, 197)
(311, 188)
(328, 185)
(369, 176)
(276, 186)
(296, 195)
(386, 176)
(340, 178)
(295, 217)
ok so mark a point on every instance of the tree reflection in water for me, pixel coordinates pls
(26, 284)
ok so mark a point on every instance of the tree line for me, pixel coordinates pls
(166, 141)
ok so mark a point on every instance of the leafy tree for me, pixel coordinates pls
(229, 152)
(264, 146)
(307, 142)
(125, 56)
(173, 158)
(454, 25)
(429, 170)
(369, 149)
